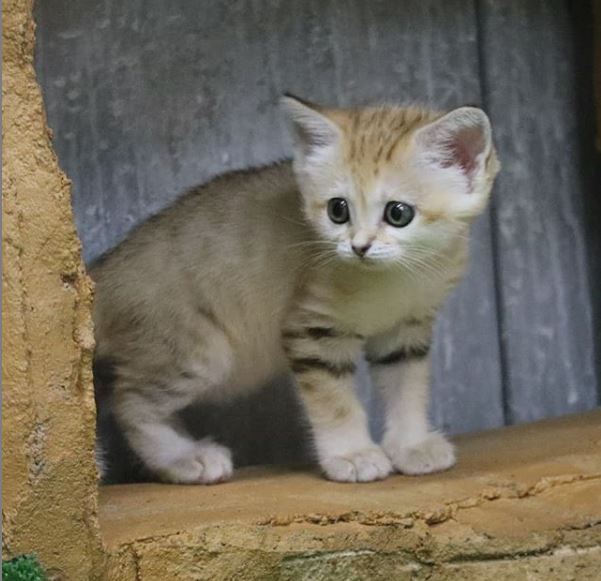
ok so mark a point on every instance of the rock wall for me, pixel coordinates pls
(49, 492)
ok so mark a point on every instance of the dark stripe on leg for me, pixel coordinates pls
(402, 354)
(319, 333)
(304, 364)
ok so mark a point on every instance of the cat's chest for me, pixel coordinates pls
(372, 303)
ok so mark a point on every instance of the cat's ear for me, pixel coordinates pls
(313, 130)
(461, 139)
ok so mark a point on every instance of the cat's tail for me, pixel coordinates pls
(101, 460)
(104, 378)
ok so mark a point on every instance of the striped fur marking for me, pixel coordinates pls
(417, 322)
(402, 354)
(319, 333)
(305, 364)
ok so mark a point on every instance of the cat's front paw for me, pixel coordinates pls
(432, 454)
(360, 466)
(207, 463)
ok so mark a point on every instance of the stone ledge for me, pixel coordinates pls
(523, 502)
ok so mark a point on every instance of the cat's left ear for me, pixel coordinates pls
(461, 140)
(314, 131)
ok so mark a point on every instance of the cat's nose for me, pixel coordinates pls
(361, 251)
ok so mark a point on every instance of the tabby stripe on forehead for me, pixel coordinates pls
(304, 364)
(402, 354)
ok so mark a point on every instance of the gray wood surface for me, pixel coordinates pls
(545, 298)
(149, 98)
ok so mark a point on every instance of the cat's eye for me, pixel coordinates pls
(338, 210)
(398, 214)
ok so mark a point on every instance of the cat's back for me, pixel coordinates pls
(232, 207)
(229, 245)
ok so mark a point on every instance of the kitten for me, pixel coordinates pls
(351, 248)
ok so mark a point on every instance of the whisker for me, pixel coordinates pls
(309, 243)
(292, 221)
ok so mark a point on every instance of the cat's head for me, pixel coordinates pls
(391, 185)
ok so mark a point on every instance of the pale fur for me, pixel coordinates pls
(245, 277)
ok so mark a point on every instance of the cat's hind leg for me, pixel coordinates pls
(148, 418)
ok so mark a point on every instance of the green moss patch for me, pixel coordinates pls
(25, 568)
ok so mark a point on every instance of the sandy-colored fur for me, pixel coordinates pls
(247, 277)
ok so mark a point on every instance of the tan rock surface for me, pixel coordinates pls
(522, 501)
(48, 476)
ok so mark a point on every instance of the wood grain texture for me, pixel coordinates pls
(149, 98)
(546, 315)
(597, 66)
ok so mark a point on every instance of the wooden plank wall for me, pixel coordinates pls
(529, 87)
(149, 98)
(597, 67)
(592, 131)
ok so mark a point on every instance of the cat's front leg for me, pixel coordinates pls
(323, 362)
(399, 364)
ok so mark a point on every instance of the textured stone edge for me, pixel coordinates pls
(434, 543)
(343, 552)
(49, 477)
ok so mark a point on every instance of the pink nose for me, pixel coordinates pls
(361, 251)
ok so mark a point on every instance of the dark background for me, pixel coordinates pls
(147, 98)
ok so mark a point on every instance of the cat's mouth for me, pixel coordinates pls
(368, 262)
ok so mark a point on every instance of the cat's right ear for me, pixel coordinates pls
(313, 130)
